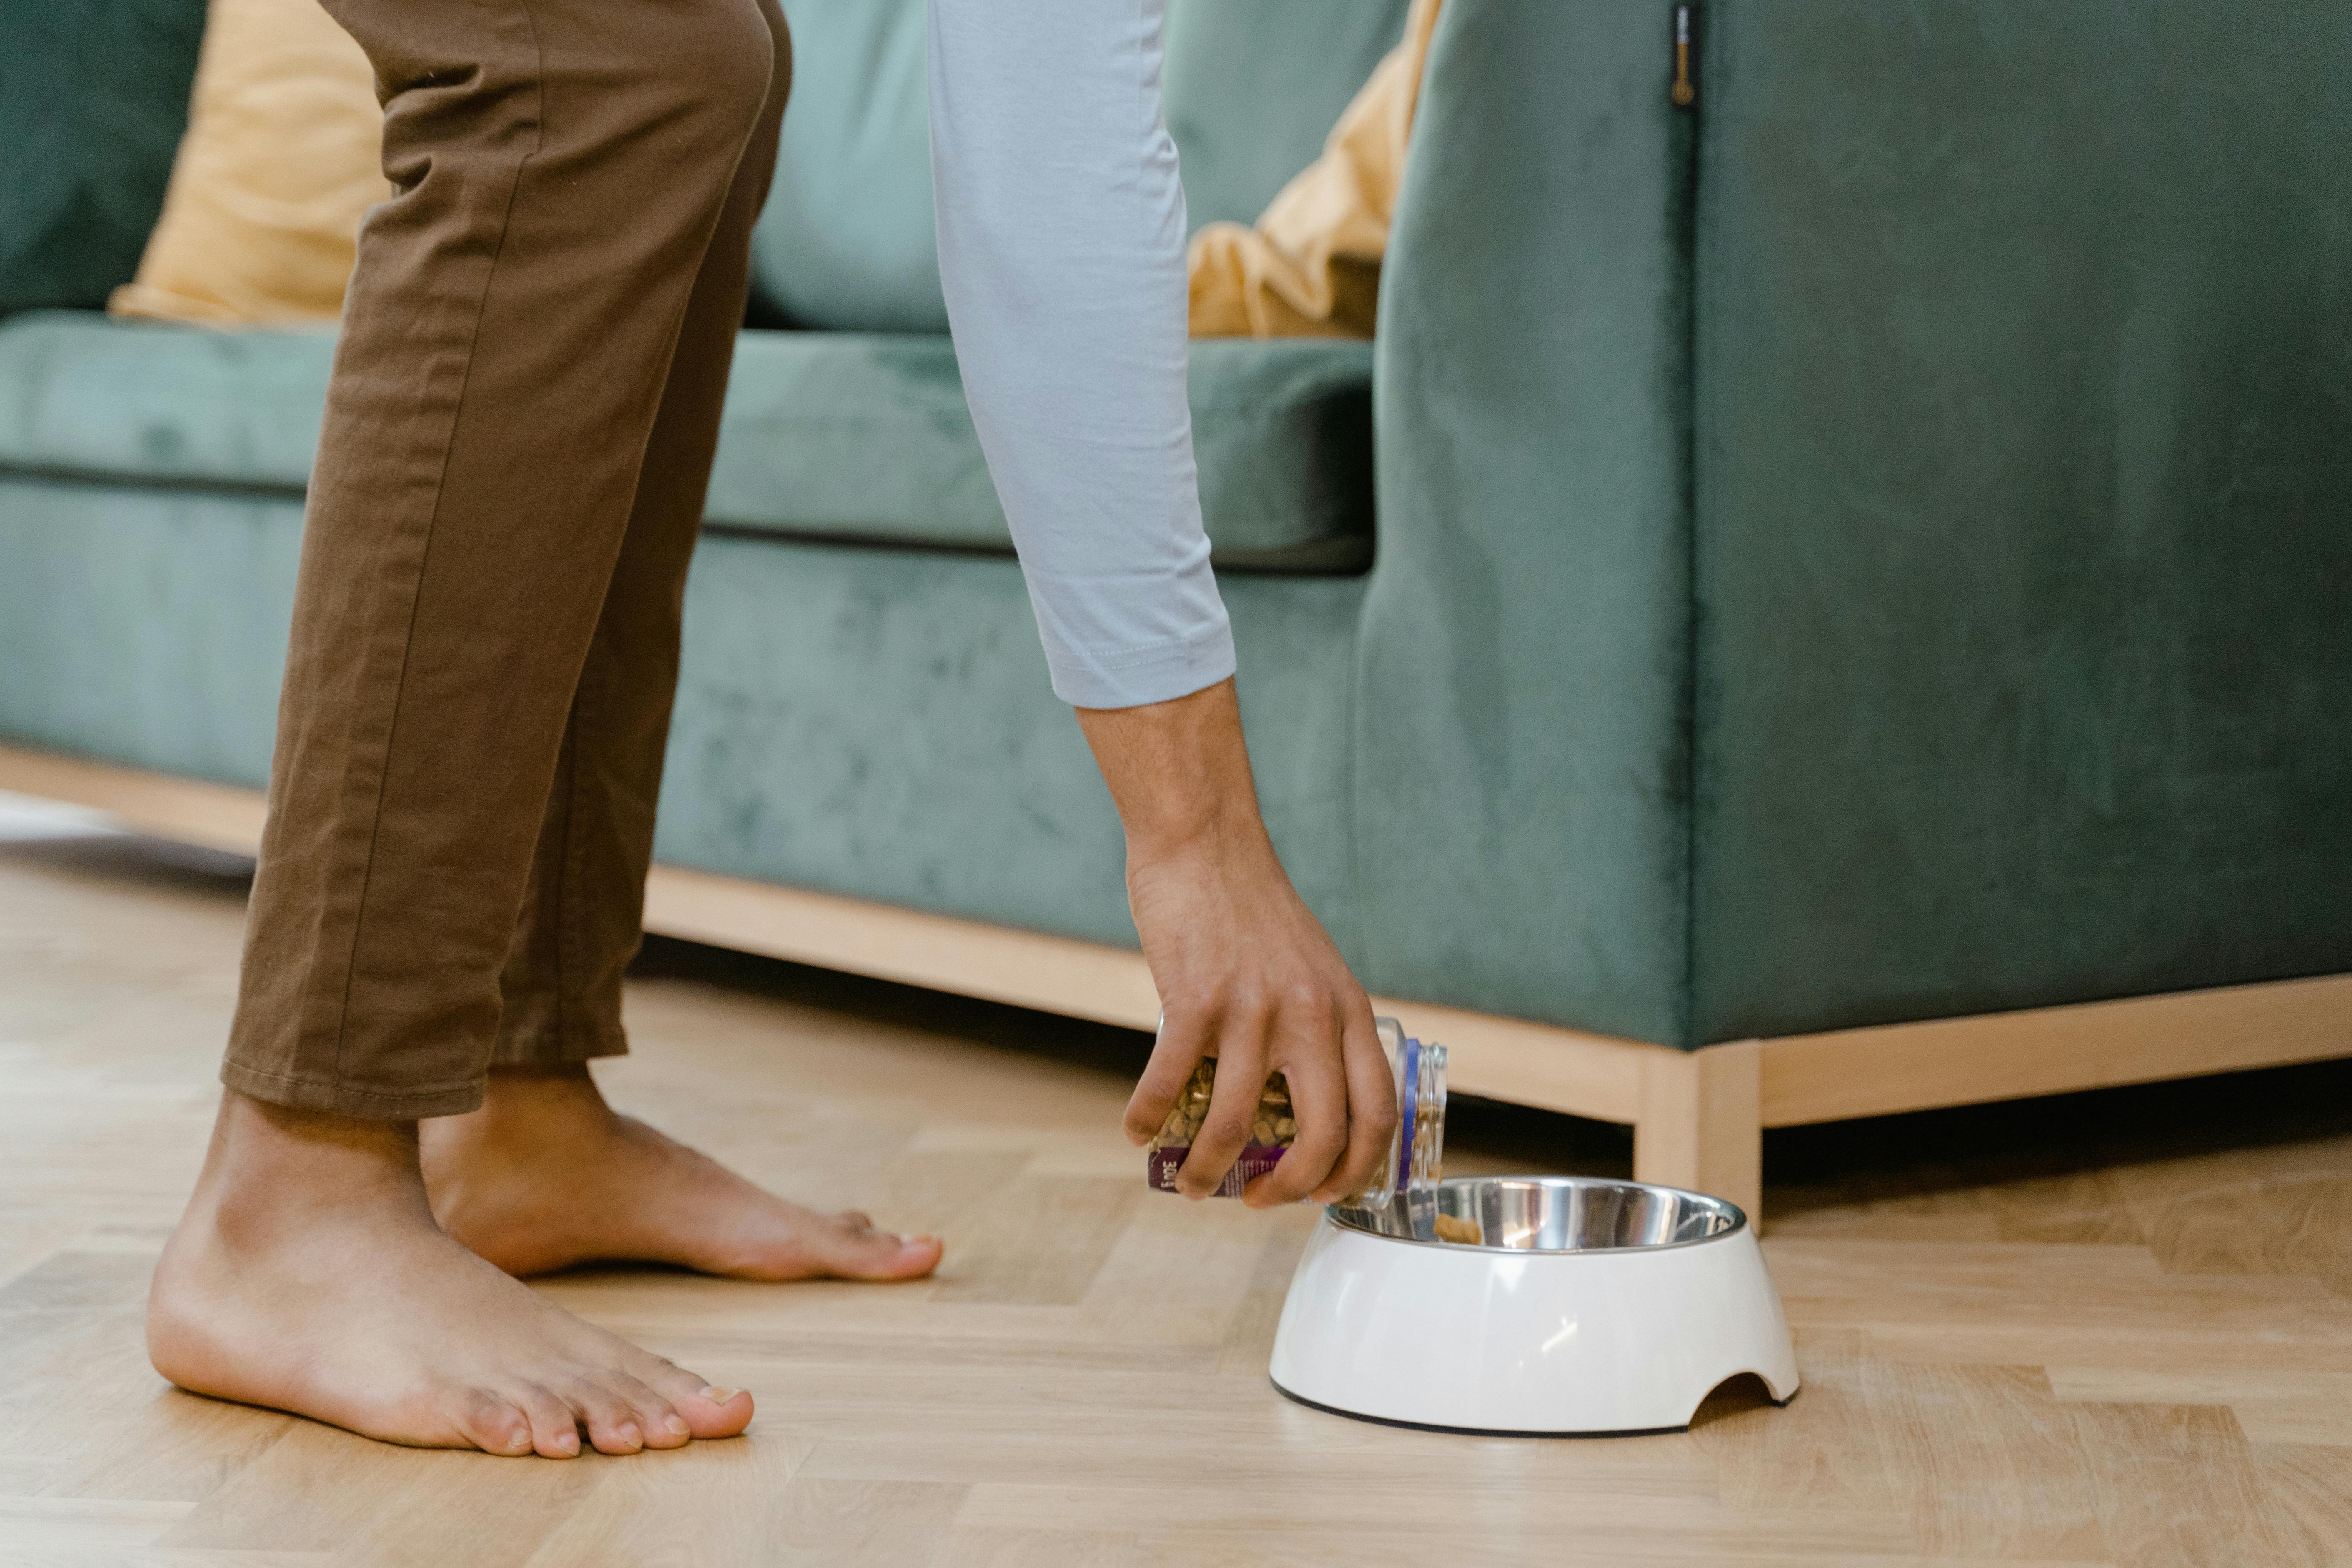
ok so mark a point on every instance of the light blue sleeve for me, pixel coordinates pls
(1061, 225)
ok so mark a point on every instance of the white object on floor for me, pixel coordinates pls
(25, 818)
(1592, 1307)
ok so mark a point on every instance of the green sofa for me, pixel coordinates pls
(1875, 545)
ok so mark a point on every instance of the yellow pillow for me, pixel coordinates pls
(282, 155)
(1311, 265)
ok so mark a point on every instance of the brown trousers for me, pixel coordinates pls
(519, 432)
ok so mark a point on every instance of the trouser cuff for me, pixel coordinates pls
(558, 1047)
(349, 1099)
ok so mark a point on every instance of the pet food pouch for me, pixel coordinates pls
(1414, 1152)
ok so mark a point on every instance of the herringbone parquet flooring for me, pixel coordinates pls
(2111, 1330)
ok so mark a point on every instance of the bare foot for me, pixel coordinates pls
(308, 1276)
(546, 1175)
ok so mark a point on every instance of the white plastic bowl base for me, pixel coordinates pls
(1593, 1307)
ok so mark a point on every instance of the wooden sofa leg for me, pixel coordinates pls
(1702, 1124)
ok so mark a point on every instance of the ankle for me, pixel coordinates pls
(266, 1157)
(518, 1100)
(526, 1111)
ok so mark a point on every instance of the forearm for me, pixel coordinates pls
(1180, 773)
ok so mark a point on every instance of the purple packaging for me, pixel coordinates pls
(1256, 1160)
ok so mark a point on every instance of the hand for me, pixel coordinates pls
(1245, 972)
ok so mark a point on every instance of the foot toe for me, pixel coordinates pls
(623, 1438)
(604, 1413)
(493, 1424)
(708, 1410)
(554, 1429)
(656, 1418)
(718, 1412)
(879, 1255)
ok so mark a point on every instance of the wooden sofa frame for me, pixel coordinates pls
(1698, 1116)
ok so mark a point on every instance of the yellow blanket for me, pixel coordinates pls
(1311, 267)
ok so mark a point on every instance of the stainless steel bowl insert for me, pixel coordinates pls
(1568, 1214)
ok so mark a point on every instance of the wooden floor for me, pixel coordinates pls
(2111, 1330)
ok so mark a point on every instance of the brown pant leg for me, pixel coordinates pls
(582, 917)
(560, 167)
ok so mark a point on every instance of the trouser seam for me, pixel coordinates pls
(590, 688)
(568, 942)
(440, 495)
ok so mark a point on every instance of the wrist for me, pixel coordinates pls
(1180, 773)
(1218, 832)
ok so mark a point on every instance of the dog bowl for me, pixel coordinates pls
(1587, 1307)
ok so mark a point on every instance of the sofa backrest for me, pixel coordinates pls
(93, 97)
(1251, 89)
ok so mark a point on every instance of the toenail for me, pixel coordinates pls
(628, 1433)
(677, 1424)
(717, 1395)
(569, 1442)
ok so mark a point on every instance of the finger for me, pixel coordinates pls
(1307, 1046)
(1233, 1104)
(1183, 1041)
(1371, 1105)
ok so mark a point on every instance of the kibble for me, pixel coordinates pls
(1272, 1126)
(1460, 1232)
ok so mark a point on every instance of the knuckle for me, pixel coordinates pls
(1306, 994)
(1326, 1137)
(1223, 1127)
(1249, 999)
(1183, 1016)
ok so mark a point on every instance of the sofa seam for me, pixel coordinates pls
(1689, 119)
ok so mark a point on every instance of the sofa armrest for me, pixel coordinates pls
(1521, 805)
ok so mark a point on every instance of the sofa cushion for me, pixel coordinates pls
(1250, 90)
(828, 434)
(81, 394)
(866, 436)
(846, 239)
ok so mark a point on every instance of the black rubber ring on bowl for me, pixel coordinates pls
(1495, 1431)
